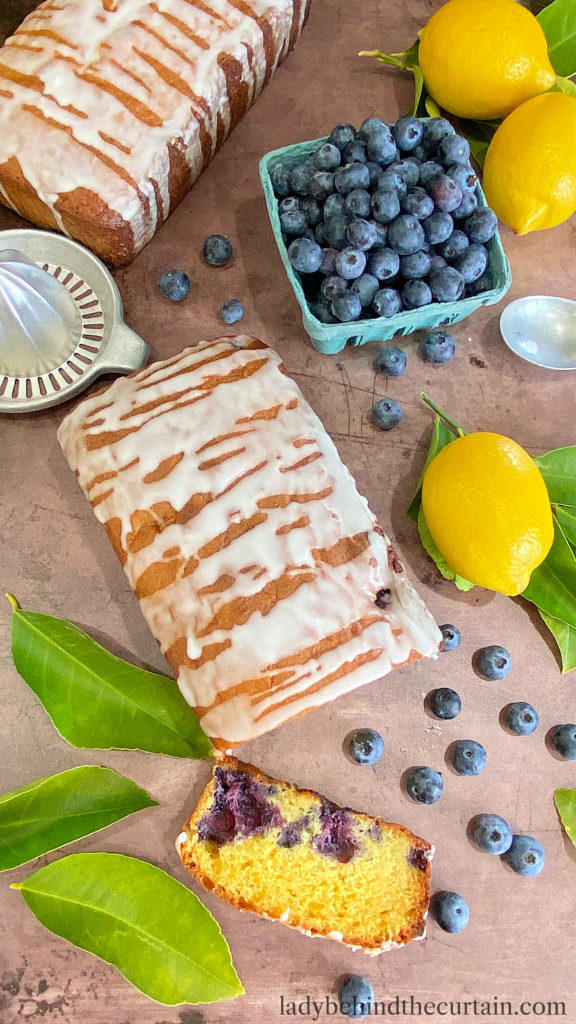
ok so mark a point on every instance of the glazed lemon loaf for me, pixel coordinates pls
(110, 109)
(260, 569)
(293, 856)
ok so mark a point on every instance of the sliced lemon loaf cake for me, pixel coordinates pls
(293, 856)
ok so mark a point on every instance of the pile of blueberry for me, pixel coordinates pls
(385, 218)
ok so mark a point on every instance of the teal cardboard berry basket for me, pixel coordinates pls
(332, 338)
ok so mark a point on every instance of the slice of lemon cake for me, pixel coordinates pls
(293, 856)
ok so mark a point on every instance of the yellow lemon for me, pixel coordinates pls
(530, 167)
(482, 58)
(486, 505)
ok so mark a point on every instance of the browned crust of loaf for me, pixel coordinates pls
(186, 855)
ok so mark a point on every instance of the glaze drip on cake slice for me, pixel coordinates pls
(293, 856)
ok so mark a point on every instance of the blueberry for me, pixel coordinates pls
(451, 911)
(436, 261)
(429, 171)
(521, 718)
(231, 311)
(407, 132)
(332, 286)
(327, 157)
(174, 285)
(447, 195)
(366, 287)
(563, 739)
(353, 175)
(492, 834)
(281, 178)
(385, 205)
(467, 206)
(347, 306)
(419, 153)
(387, 302)
(417, 264)
(286, 205)
(468, 757)
(464, 175)
(453, 149)
(409, 171)
(301, 177)
(328, 261)
(405, 234)
(305, 255)
(365, 746)
(415, 293)
(357, 203)
(381, 148)
(445, 703)
(418, 203)
(376, 174)
(438, 227)
(386, 413)
(391, 361)
(434, 131)
(381, 232)
(350, 263)
(437, 348)
(293, 222)
(383, 263)
(356, 996)
(454, 246)
(525, 856)
(321, 185)
(483, 283)
(446, 284)
(371, 125)
(312, 210)
(217, 249)
(320, 234)
(335, 231)
(355, 150)
(424, 785)
(322, 310)
(451, 637)
(493, 662)
(392, 182)
(481, 225)
(472, 263)
(341, 135)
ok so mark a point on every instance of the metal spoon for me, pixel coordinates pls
(542, 330)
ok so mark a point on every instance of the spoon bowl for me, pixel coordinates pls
(542, 330)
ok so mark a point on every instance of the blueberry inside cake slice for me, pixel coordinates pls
(293, 856)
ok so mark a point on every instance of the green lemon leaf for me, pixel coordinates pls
(418, 87)
(96, 699)
(552, 586)
(441, 436)
(153, 929)
(432, 108)
(479, 135)
(55, 811)
(565, 637)
(565, 803)
(564, 85)
(435, 554)
(558, 21)
(566, 516)
(558, 467)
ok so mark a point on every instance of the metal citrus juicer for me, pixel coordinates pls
(61, 322)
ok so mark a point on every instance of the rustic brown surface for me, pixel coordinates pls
(56, 558)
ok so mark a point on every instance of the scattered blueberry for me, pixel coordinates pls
(447, 195)
(437, 348)
(366, 287)
(386, 413)
(391, 361)
(356, 996)
(174, 285)
(451, 637)
(231, 311)
(217, 249)
(415, 293)
(304, 255)
(451, 911)
(365, 746)
(446, 284)
(347, 306)
(341, 135)
(525, 856)
(453, 149)
(521, 718)
(481, 225)
(327, 157)
(424, 785)
(492, 834)
(407, 132)
(405, 234)
(445, 703)
(468, 757)
(563, 739)
(493, 662)
(387, 302)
